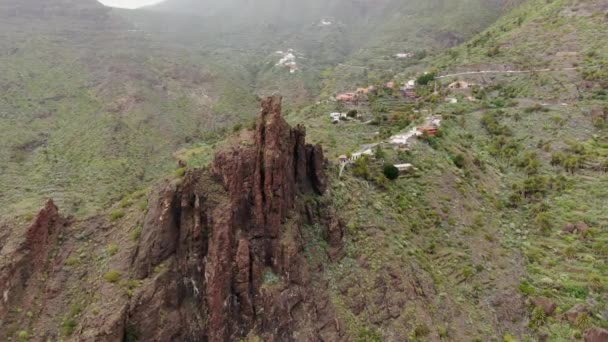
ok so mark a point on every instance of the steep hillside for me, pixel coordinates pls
(219, 254)
(110, 96)
(92, 110)
(470, 206)
(500, 231)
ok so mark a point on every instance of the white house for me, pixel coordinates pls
(404, 168)
(366, 152)
(403, 55)
(335, 117)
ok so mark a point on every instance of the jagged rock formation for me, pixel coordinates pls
(221, 255)
(22, 260)
(231, 236)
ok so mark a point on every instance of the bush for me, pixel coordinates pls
(112, 276)
(136, 234)
(180, 172)
(71, 261)
(117, 214)
(458, 160)
(68, 325)
(537, 318)
(425, 79)
(421, 330)
(391, 171)
(112, 249)
(526, 288)
(361, 168)
(543, 222)
(23, 335)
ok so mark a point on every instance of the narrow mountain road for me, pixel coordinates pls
(505, 72)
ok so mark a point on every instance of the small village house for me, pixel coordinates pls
(346, 97)
(404, 168)
(411, 84)
(460, 85)
(336, 117)
(364, 152)
(403, 55)
(428, 130)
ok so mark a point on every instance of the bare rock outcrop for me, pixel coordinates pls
(23, 258)
(232, 239)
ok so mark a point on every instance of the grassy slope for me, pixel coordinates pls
(472, 255)
(87, 118)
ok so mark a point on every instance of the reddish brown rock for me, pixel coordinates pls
(574, 312)
(235, 264)
(582, 227)
(569, 228)
(546, 304)
(22, 260)
(596, 335)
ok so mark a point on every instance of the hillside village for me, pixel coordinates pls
(423, 171)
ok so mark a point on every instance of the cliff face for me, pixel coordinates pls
(233, 237)
(222, 255)
(23, 260)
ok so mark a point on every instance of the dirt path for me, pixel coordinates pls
(506, 72)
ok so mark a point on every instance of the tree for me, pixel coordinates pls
(391, 171)
(425, 79)
(361, 168)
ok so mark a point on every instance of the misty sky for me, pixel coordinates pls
(129, 3)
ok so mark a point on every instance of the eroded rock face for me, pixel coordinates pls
(21, 260)
(231, 240)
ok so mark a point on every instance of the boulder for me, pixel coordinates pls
(569, 228)
(596, 335)
(546, 304)
(581, 227)
(573, 314)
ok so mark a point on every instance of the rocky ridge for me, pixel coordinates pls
(223, 254)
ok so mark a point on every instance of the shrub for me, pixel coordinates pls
(126, 202)
(361, 168)
(526, 288)
(421, 330)
(68, 325)
(390, 171)
(543, 222)
(368, 335)
(112, 276)
(458, 160)
(112, 249)
(180, 172)
(237, 127)
(537, 318)
(426, 79)
(494, 51)
(117, 214)
(23, 335)
(136, 233)
(71, 261)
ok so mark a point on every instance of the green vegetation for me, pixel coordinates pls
(117, 214)
(112, 249)
(136, 233)
(112, 276)
(23, 335)
(391, 172)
